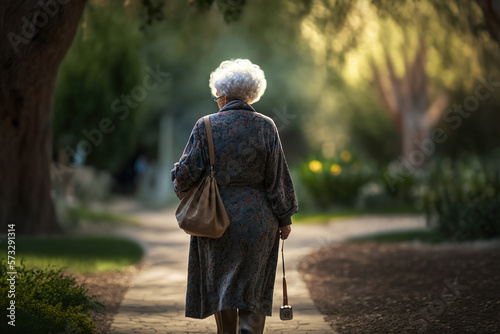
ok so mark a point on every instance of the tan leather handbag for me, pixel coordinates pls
(201, 212)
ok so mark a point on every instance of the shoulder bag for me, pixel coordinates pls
(201, 212)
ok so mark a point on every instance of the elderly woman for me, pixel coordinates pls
(233, 277)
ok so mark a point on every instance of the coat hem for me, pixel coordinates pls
(251, 309)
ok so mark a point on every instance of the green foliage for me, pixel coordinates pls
(349, 36)
(152, 12)
(102, 65)
(403, 190)
(463, 200)
(337, 180)
(351, 182)
(371, 129)
(46, 301)
(80, 254)
(74, 218)
(327, 216)
(471, 132)
(230, 9)
(101, 216)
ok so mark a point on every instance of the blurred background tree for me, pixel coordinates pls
(346, 36)
(104, 64)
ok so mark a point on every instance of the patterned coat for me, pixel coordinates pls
(238, 270)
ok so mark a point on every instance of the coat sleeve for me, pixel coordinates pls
(279, 186)
(193, 162)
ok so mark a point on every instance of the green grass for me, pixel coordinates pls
(104, 216)
(426, 236)
(79, 254)
(309, 218)
(325, 217)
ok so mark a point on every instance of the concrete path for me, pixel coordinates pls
(155, 302)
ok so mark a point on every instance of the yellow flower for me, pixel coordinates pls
(335, 169)
(346, 156)
(315, 166)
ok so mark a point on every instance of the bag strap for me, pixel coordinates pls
(210, 142)
(285, 294)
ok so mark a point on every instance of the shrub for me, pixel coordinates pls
(47, 301)
(463, 200)
(402, 190)
(337, 180)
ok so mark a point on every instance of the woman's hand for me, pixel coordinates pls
(285, 231)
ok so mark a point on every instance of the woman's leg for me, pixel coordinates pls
(227, 321)
(250, 322)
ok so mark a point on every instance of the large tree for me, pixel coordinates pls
(34, 37)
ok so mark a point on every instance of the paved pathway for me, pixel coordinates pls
(155, 302)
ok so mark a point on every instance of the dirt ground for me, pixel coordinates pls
(110, 288)
(406, 288)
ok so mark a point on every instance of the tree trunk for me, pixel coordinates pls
(407, 100)
(34, 38)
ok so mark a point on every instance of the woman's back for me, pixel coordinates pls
(243, 141)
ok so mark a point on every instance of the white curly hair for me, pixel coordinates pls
(238, 79)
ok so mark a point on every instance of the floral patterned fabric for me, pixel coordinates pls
(238, 270)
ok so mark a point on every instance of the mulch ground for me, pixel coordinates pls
(406, 288)
(109, 288)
